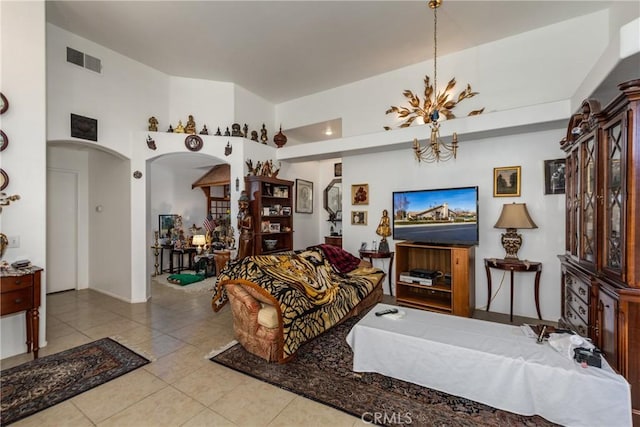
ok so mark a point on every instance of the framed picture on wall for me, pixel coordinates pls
(304, 196)
(358, 217)
(360, 194)
(166, 223)
(337, 169)
(506, 181)
(554, 176)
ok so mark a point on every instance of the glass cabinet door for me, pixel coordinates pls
(614, 199)
(573, 202)
(588, 215)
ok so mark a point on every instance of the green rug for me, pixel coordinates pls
(185, 279)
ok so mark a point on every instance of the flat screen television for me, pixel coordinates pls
(443, 216)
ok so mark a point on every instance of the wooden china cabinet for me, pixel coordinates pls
(271, 206)
(601, 265)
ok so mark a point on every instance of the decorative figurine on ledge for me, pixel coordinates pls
(235, 130)
(226, 132)
(179, 128)
(280, 139)
(204, 131)
(153, 124)
(245, 130)
(254, 135)
(263, 134)
(218, 133)
(170, 130)
(191, 126)
(384, 231)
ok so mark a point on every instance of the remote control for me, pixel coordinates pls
(389, 311)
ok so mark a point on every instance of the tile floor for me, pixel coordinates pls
(181, 387)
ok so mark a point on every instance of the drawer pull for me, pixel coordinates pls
(18, 300)
(18, 281)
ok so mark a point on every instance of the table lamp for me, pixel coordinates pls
(512, 217)
(198, 241)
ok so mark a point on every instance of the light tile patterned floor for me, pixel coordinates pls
(181, 387)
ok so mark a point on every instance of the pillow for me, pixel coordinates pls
(341, 260)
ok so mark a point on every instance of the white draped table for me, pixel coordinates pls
(490, 363)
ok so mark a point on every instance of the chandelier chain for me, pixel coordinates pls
(435, 51)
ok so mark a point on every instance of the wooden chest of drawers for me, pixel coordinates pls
(21, 292)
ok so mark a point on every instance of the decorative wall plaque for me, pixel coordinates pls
(84, 127)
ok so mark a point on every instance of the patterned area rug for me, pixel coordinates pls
(322, 372)
(47, 381)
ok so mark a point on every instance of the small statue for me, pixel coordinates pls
(254, 135)
(179, 128)
(204, 131)
(263, 134)
(384, 230)
(245, 227)
(170, 130)
(218, 133)
(191, 126)
(226, 132)
(245, 130)
(153, 124)
(235, 130)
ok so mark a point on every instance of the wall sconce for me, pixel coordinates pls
(512, 217)
(228, 149)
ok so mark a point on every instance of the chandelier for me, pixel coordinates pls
(435, 104)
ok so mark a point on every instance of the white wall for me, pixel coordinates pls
(22, 73)
(121, 98)
(507, 74)
(109, 227)
(254, 111)
(210, 103)
(398, 170)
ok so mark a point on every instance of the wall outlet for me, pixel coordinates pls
(14, 241)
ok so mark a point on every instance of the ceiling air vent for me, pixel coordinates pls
(92, 63)
(87, 61)
(75, 57)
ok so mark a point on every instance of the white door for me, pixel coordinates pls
(62, 234)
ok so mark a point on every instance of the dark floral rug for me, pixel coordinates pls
(47, 381)
(322, 372)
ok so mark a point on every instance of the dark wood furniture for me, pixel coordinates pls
(601, 264)
(380, 255)
(20, 291)
(453, 292)
(271, 206)
(333, 240)
(512, 266)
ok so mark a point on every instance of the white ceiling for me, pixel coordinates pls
(281, 50)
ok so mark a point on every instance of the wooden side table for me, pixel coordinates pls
(380, 255)
(20, 291)
(512, 266)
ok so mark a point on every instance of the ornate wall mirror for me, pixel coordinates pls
(333, 200)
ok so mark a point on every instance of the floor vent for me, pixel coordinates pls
(87, 61)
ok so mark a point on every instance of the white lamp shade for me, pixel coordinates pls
(198, 240)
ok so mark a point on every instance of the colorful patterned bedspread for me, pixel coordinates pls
(312, 297)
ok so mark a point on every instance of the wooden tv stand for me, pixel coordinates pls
(451, 293)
